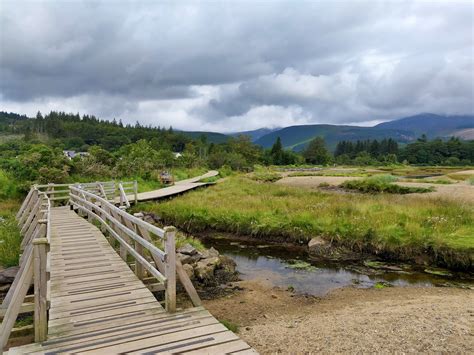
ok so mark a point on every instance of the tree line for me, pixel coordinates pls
(117, 150)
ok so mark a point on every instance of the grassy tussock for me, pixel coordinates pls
(330, 173)
(265, 175)
(382, 184)
(398, 226)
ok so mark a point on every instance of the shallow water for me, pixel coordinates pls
(273, 264)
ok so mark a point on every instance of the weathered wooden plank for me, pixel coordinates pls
(132, 290)
(105, 315)
(102, 337)
(227, 347)
(158, 344)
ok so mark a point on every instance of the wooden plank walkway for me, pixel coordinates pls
(177, 188)
(98, 305)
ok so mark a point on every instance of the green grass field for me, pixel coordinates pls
(397, 226)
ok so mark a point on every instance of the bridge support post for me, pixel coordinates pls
(170, 268)
(40, 246)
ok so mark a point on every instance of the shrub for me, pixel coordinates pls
(8, 186)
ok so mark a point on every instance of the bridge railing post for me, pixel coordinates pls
(40, 250)
(170, 268)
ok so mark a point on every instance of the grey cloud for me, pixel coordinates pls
(237, 65)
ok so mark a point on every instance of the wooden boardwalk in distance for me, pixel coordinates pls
(177, 188)
(98, 305)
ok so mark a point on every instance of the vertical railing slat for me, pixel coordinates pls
(170, 267)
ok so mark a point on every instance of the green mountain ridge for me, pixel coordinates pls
(403, 130)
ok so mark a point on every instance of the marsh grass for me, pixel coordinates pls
(233, 327)
(9, 234)
(395, 226)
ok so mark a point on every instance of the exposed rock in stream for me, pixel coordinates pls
(207, 268)
(320, 248)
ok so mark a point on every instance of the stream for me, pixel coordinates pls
(291, 267)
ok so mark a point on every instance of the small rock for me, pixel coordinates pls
(210, 253)
(189, 270)
(274, 296)
(227, 264)
(196, 257)
(187, 249)
(8, 275)
(138, 215)
(204, 269)
(185, 259)
(317, 245)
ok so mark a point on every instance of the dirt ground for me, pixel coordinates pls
(349, 320)
(460, 191)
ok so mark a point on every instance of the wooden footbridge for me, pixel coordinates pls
(93, 268)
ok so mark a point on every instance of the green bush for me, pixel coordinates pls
(8, 186)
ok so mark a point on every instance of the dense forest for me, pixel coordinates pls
(31, 149)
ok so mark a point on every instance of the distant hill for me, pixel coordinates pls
(430, 124)
(297, 137)
(255, 134)
(403, 131)
(212, 137)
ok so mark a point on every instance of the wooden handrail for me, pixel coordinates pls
(34, 220)
(76, 200)
(121, 226)
(153, 229)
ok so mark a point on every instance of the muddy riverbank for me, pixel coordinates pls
(341, 307)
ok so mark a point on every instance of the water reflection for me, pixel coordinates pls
(274, 264)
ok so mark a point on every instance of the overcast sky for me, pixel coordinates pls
(239, 65)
